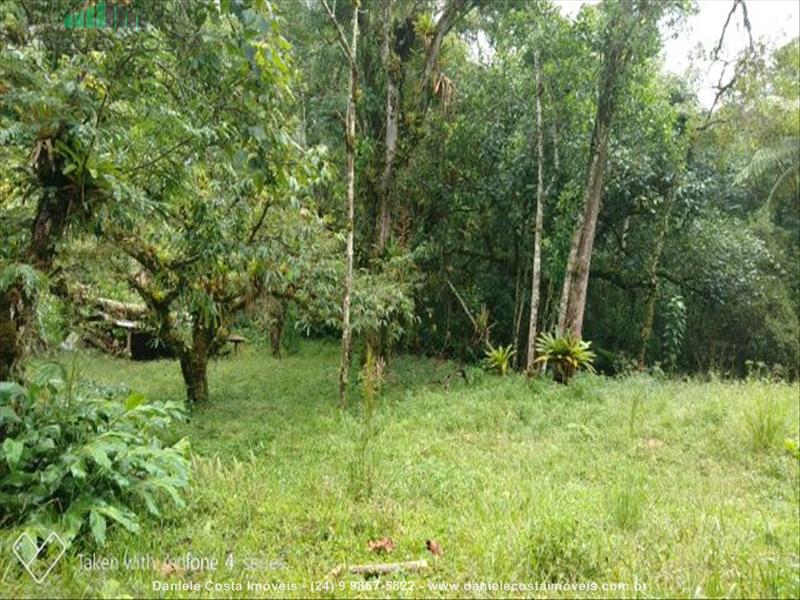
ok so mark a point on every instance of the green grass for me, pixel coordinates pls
(683, 487)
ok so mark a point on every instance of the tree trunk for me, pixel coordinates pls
(519, 307)
(452, 10)
(576, 281)
(568, 273)
(652, 292)
(629, 25)
(194, 364)
(576, 277)
(390, 68)
(10, 351)
(538, 223)
(277, 319)
(350, 139)
(195, 376)
(59, 202)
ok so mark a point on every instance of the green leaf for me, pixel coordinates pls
(97, 523)
(45, 444)
(78, 469)
(257, 132)
(13, 451)
(10, 390)
(51, 475)
(99, 456)
(134, 400)
(6, 414)
(150, 503)
(123, 516)
(17, 479)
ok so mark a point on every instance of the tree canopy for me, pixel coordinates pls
(509, 166)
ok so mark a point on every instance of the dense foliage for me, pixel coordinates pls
(76, 457)
(687, 203)
(511, 166)
(194, 190)
(489, 182)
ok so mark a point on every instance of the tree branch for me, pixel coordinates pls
(453, 10)
(721, 88)
(348, 52)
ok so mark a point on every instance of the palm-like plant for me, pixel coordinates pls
(780, 162)
(499, 358)
(566, 353)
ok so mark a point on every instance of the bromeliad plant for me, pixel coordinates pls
(499, 358)
(74, 458)
(565, 353)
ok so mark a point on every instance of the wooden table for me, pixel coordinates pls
(236, 340)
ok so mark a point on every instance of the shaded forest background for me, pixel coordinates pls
(695, 217)
(196, 167)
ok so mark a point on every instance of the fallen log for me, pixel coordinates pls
(81, 295)
(125, 310)
(379, 568)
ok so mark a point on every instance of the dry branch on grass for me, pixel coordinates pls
(379, 568)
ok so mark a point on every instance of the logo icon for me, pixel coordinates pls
(118, 14)
(39, 560)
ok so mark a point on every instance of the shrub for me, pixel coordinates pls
(565, 353)
(74, 457)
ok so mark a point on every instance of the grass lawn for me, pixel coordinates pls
(606, 481)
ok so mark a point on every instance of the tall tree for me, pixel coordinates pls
(452, 11)
(538, 227)
(630, 34)
(193, 148)
(391, 67)
(652, 279)
(350, 52)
